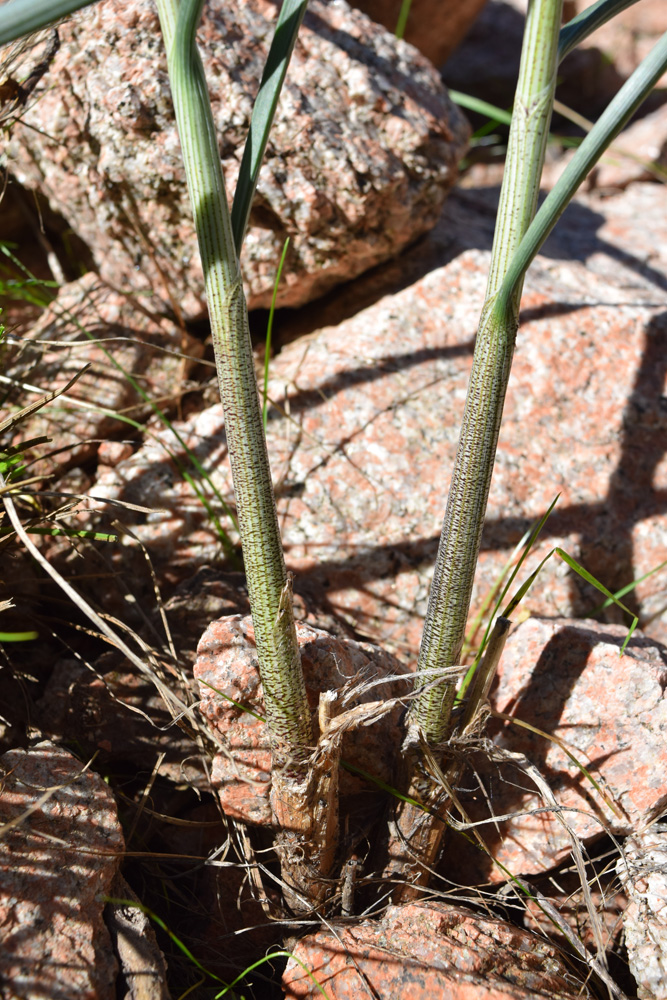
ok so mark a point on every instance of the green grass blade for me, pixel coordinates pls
(18, 636)
(22, 17)
(603, 133)
(471, 103)
(289, 21)
(535, 532)
(512, 720)
(95, 536)
(403, 15)
(525, 587)
(526, 546)
(587, 22)
(589, 578)
(629, 587)
(269, 331)
(136, 905)
(268, 958)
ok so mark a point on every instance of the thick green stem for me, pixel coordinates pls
(270, 593)
(451, 589)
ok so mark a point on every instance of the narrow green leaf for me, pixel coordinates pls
(403, 15)
(525, 546)
(135, 905)
(287, 27)
(95, 536)
(269, 331)
(525, 587)
(481, 107)
(589, 578)
(629, 587)
(268, 958)
(18, 636)
(22, 17)
(587, 22)
(535, 532)
(603, 133)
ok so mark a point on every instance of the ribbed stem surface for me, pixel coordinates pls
(449, 599)
(270, 594)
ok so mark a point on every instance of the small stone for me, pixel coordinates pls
(59, 854)
(435, 27)
(426, 950)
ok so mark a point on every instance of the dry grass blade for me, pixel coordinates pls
(563, 746)
(176, 707)
(31, 408)
(548, 796)
(552, 913)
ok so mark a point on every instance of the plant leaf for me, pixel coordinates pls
(22, 17)
(603, 133)
(587, 22)
(287, 27)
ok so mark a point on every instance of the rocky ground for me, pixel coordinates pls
(125, 788)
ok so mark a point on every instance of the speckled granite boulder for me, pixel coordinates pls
(227, 663)
(568, 679)
(364, 148)
(426, 950)
(59, 852)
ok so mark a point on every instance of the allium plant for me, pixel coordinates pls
(305, 759)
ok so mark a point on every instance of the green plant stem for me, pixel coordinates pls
(449, 599)
(269, 590)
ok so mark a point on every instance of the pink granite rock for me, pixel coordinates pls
(435, 27)
(60, 851)
(567, 679)
(425, 950)
(227, 663)
(364, 148)
(180, 532)
(87, 322)
(643, 873)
